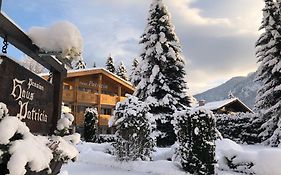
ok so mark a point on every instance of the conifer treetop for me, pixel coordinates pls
(161, 63)
(110, 64)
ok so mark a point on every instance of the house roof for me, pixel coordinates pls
(96, 70)
(219, 104)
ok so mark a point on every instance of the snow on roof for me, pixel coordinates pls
(99, 68)
(218, 104)
(92, 69)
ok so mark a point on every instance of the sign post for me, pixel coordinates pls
(16, 37)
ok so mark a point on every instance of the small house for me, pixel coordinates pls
(228, 106)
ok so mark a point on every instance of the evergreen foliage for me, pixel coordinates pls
(80, 65)
(162, 73)
(268, 100)
(90, 124)
(196, 134)
(110, 64)
(135, 74)
(238, 127)
(122, 71)
(134, 130)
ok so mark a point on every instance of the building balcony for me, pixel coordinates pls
(90, 98)
(103, 120)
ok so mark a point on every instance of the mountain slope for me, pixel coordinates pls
(245, 88)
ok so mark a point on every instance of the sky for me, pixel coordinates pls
(217, 36)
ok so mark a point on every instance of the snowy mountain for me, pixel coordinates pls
(245, 88)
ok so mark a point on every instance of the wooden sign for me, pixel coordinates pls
(26, 95)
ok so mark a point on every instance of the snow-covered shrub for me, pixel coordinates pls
(232, 157)
(64, 124)
(21, 151)
(238, 127)
(106, 138)
(3, 111)
(196, 136)
(134, 130)
(90, 124)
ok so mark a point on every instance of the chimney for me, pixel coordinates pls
(202, 102)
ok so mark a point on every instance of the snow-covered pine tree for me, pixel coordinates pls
(80, 65)
(122, 71)
(162, 72)
(134, 130)
(110, 64)
(196, 132)
(268, 100)
(135, 73)
(90, 124)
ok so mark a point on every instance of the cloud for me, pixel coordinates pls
(217, 37)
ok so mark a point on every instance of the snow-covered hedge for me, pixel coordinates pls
(238, 127)
(21, 150)
(134, 130)
(196, 132)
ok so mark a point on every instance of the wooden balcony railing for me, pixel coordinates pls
(108, 99)
(90, 98)
(68, 95)
(103, 120)
(87, 97)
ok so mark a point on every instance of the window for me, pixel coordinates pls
(66, 87)
(106, 111)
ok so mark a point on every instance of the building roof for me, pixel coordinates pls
(219, 104)
(96, 70)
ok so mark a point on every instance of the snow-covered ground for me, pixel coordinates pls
(93, 159)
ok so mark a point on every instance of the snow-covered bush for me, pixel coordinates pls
(134, 130)
(232, 157)
(90, 124)
(64, 124)
(3, 111)
(196, 134)
(106, 138)
(21, 151)
(238, 127)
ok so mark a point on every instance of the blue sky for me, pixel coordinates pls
(217, 37)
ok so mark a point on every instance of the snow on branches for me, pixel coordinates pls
(62, 37)
(268, 100)
(161, 71)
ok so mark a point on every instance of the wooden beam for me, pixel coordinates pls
(58, 87)
(20, 40)
(99, 96)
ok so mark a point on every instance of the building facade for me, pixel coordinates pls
(97, 88)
